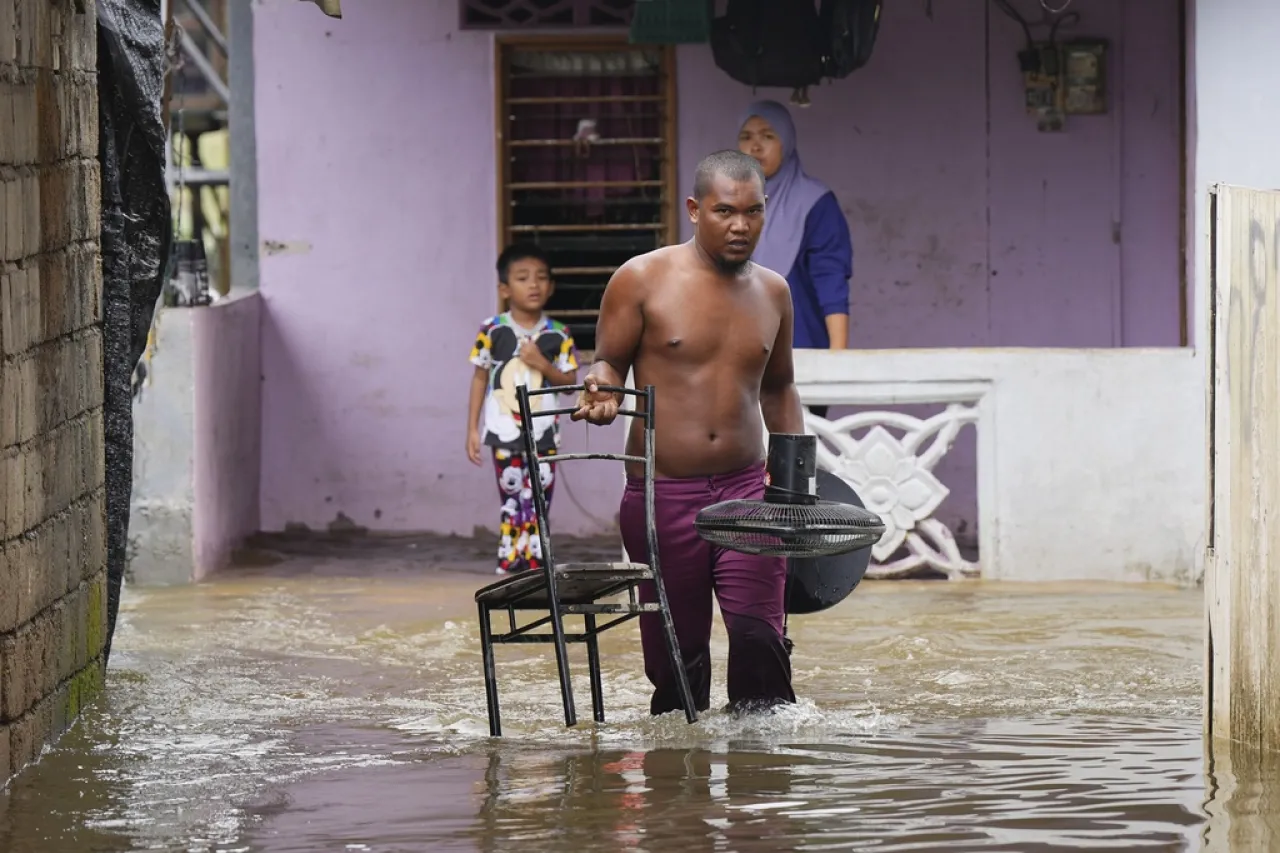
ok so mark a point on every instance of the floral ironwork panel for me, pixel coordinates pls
(538, 14)
(894, 477)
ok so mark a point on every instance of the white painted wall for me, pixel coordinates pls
(1090, 462)
(1236, 115)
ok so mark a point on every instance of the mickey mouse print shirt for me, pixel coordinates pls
(497, 349)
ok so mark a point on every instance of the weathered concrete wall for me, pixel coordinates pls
(161, 526)
(1237, 280)
(1089, 461)
(52, 523)
(1242, 582)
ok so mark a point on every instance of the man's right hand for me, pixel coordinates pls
(595, 406)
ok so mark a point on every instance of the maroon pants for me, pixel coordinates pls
(750, 590)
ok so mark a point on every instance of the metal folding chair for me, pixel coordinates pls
(577, 589)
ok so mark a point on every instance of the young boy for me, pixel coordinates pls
(518, 347)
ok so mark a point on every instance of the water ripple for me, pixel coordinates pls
(283, 715)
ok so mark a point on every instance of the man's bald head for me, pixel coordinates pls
(727, 208)
(732, 164)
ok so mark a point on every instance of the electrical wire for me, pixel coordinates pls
(1007, 8)
(1068, 18)
(1059, 17)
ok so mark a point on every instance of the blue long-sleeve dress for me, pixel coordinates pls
(819, 278)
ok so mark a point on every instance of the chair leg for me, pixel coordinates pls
(677, 661)
(490, 673)
(562, 664)
(593, 664)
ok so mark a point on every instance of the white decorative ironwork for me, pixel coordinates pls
(894, 477)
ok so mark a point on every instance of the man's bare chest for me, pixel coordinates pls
(739, 329)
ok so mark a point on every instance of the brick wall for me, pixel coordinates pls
(52, 541)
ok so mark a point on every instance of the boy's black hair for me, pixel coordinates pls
(519, 252)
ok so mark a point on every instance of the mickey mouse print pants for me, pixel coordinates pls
(519, 547)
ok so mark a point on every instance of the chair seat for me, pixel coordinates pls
(576, 583)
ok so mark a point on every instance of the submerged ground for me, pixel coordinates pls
(336, 703)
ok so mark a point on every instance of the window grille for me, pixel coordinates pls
(544, 14)
(586, 149)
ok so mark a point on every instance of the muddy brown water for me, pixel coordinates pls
(340, 707)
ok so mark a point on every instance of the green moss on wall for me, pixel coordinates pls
(95, 634)
(84, 686)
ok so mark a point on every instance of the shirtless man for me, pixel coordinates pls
(711, 331)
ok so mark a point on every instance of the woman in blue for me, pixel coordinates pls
(806, 237)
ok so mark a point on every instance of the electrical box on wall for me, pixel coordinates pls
(1042, 84)
(1084, 77)
(1061, 79)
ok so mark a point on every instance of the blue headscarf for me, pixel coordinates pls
(792, 193)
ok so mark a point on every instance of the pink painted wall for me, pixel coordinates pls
(964, 237)
(375, 156)
(376, 169)
(970, 227)
(227, 361)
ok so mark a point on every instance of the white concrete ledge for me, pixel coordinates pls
(1090, 462)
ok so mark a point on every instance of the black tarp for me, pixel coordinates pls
(136, 233)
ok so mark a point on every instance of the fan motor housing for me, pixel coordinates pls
(792, 469)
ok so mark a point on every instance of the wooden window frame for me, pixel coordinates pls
(505, 43)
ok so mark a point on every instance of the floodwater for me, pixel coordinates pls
(342, 709)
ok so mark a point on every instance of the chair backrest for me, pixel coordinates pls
(645, 413)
